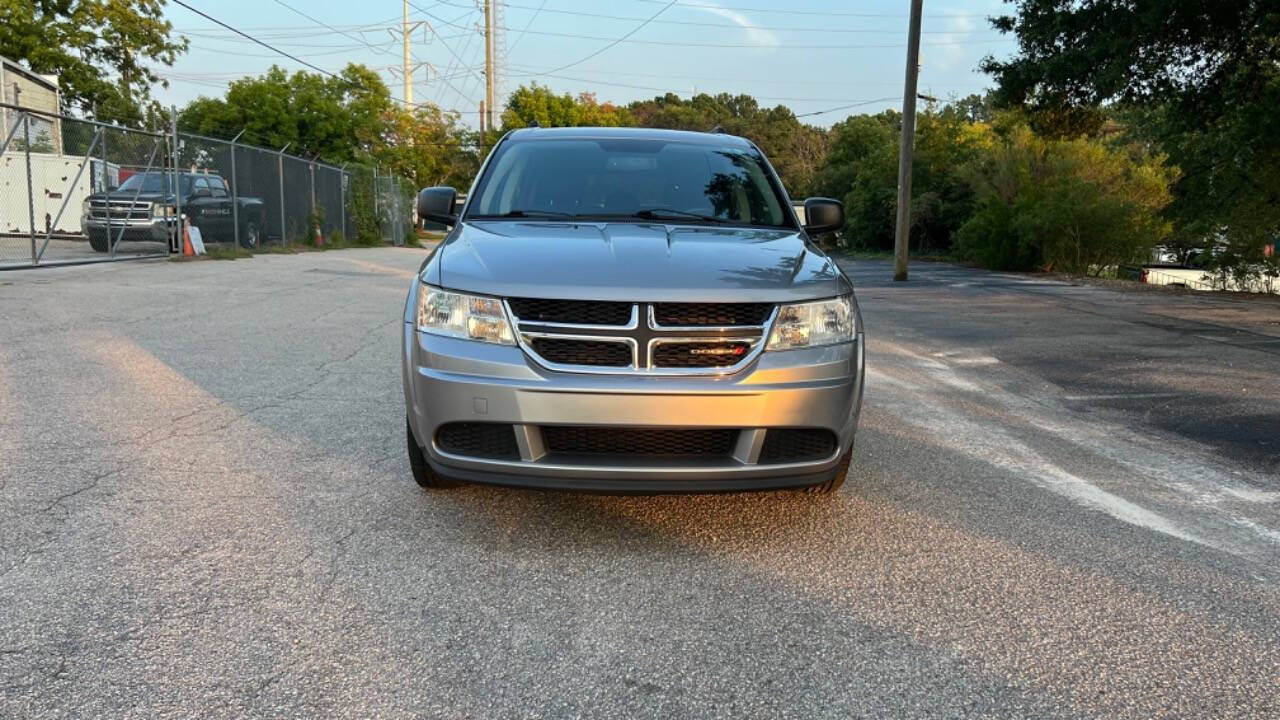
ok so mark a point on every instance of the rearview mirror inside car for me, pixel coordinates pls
(437, 205)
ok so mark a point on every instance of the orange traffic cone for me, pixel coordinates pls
(319, 237)
(186, 238)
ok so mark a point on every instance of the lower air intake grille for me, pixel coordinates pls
(484, 440)
(583, 352)
(585, 439)
(783, 445)
(711, 314)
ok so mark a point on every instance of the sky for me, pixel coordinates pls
(824, 59)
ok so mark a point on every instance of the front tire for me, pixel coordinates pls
(422, 472)
(249, 235)
(98, 241)
(837, 476)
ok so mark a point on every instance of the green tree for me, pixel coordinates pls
(538, 103)
(862, 169)
(795, 149)
(429, 147)
(1081, 205)
(101, 50)
(1200, 80)
(337, 118)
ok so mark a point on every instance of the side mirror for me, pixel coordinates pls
(437, 205)
(823, 215)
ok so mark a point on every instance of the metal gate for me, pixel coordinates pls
(65, 195)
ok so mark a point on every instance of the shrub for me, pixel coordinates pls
(1078, 206)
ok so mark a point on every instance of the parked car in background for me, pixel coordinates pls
(622, 309)
(145, 208)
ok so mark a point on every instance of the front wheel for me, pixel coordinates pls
(98, 241)
(837, 476)
(249, 235)
(422, 472)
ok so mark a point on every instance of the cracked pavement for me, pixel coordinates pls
(1065, 502)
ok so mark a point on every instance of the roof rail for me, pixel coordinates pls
(534, 124)
(719, 130)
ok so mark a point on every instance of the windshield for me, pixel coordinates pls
(154, 182)
(646, 179)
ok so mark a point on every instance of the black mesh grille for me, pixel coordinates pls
(577, 312)
(699, 355)
(638, 441)
(583, 352)
(797, 445)
(711, 314)
(486, 440)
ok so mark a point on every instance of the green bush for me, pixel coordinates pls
(1077, 206)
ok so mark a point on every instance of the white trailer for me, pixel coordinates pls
(58, 185)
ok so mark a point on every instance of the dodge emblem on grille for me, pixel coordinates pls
(736, 350)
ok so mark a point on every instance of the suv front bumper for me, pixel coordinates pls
(448, 380)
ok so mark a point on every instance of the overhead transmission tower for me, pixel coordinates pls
(494, 57)
(409, 67)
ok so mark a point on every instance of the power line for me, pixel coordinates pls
(848, 107)
(797, 11)
(246, 35)
(807, 46)
(633, 31)
(441, 39)
(526, 25)
(731, 25)
(266, 45)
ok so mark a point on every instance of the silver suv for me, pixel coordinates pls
(630, 310)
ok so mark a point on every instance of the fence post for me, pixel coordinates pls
(31, 197)
(342, 199)
(377, 220)
(177, 186)
(106, 185)
(313, 197)
(280, 159)
(235, 194)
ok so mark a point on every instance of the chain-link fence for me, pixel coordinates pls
(74, 190)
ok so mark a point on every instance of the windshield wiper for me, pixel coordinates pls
(528, 214)
(657, 213)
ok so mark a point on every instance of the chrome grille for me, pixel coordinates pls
(119, 210)
(610, 337)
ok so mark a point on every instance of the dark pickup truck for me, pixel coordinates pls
(145, 208)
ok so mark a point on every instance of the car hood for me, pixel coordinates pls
(152, 197)
(635, 261)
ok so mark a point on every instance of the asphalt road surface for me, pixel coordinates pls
(1065, 502)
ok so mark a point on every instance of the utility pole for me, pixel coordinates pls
(408, 70)
(488, 61)
(907, 145)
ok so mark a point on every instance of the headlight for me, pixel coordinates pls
(471, 317)
(168, 211)
(84, 207)
(825, 322)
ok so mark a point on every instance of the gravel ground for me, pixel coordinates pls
(1065, 502)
